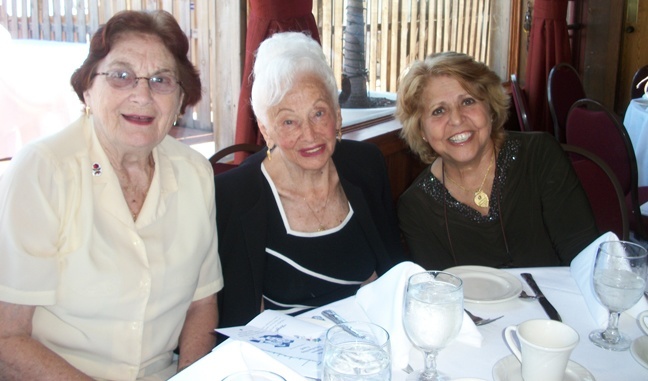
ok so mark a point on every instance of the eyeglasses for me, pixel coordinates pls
(124, 79)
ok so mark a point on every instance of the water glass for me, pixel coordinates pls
(356, 351)
(619, 279)
(432, 317)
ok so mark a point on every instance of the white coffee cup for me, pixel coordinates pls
(545, 347)
(642, 321)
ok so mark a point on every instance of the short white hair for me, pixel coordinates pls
(280, 59)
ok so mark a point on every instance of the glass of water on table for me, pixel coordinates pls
(619, 282)
(432, 317)
(356, 351)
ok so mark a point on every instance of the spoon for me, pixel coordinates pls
(525, 296)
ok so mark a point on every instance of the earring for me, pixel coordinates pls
(339, 135)
(269, 152)
(175, 122)
(87, 110)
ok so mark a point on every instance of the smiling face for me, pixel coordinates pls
(303, 125)
(455, 124)
(133, 118)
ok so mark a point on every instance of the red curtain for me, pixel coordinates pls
(548, 46)
(266, 18)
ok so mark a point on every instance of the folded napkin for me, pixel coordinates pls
(582, 268)
(234, 356)
(382, 302)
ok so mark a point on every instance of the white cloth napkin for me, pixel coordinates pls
(582, 268)
(234, 356)
(382, 302)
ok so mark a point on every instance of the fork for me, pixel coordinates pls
(480, 320)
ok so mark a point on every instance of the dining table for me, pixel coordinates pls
(477, 362)
(636, 123)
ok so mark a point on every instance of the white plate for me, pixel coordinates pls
(639, 350)
(486, 284)
(510, 369)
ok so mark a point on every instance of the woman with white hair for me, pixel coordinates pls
(310, 219)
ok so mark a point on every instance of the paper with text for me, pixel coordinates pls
(296, 343)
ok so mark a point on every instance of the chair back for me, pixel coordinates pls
(221, 154)
(520, 102)
(639, 75)
(591, 126)
(564, 88)
(603, 191)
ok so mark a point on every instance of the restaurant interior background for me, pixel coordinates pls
(45, 40)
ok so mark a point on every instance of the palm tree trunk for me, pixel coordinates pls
(354, 67)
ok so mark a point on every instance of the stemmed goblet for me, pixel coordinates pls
(619, 279)
(432, 316)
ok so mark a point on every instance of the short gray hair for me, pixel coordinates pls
(279, 60)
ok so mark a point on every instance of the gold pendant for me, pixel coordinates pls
(481, 199)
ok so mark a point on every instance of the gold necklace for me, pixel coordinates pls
(321, 225)
(481, 198)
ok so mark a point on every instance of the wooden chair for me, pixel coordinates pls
(224, 167)
(591, 126)
(640, 74)
(603, 191)
(564, 87)
(520, 102)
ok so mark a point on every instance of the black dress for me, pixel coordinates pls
(244, 206)
(308, 270)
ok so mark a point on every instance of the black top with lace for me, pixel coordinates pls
(539, 215)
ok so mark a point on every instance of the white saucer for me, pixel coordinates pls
(639, 350)
(510, 369)
(483, 284)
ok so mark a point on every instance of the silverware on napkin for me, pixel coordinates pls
(549, 309)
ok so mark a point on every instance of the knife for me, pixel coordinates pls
(549, 309)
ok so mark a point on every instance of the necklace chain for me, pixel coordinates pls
(481, 198)
(315, 214)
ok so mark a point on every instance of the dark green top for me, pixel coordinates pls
(537, 209)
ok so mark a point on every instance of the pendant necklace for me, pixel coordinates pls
(321, 225)
(481, 198)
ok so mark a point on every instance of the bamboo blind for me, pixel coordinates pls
(397, 32)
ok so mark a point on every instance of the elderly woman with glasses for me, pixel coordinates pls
(109, 258)
(310, 219)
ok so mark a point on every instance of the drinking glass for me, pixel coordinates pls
(619, 280)
(356, 351)
(432, 316)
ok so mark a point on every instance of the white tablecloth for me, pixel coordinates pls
(463, 361)
(636, 122)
